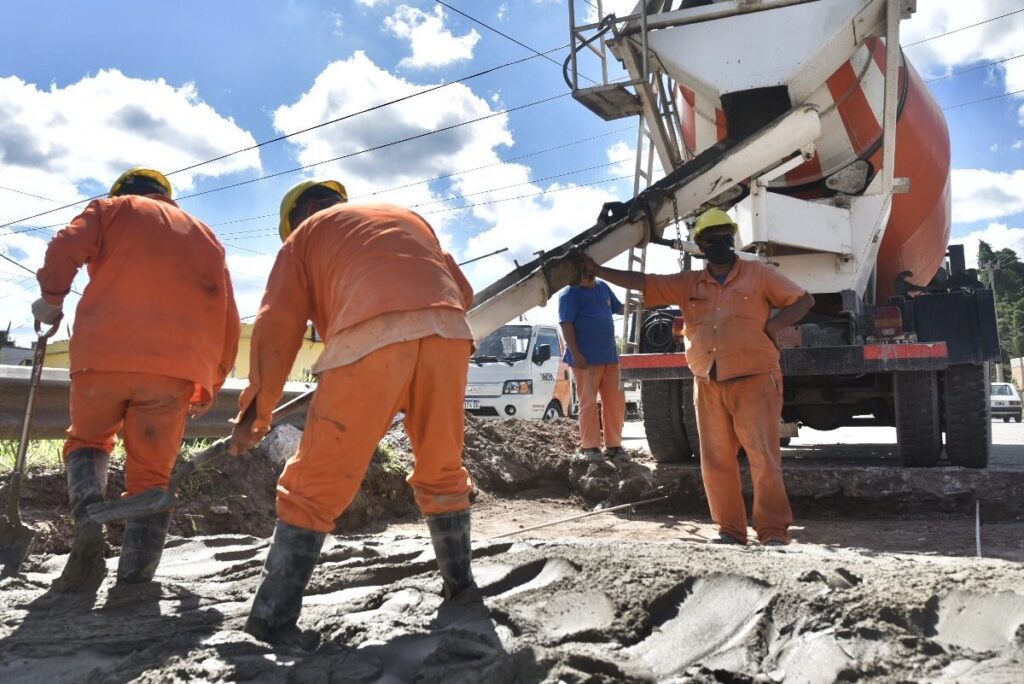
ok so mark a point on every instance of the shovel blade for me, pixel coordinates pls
(154, 500)
(14, 543)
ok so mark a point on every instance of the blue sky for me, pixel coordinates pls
(87, 89)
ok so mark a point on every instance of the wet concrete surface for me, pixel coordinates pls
(560, 611)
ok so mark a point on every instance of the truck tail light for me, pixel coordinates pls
(888, 321)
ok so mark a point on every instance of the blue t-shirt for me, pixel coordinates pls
(590, 310)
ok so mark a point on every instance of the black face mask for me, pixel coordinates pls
(719, 250)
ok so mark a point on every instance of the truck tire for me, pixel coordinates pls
(918, 431)
(554, 410)
(968, 415)
(663, 420)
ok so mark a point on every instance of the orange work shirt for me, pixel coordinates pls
(341, 267)
(159, 298)
(724, 323)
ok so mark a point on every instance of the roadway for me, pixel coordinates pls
(864, 446)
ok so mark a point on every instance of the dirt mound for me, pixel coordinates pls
(230, 495)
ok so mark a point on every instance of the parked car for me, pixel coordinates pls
(1005, 402)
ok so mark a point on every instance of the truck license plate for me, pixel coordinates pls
(471, 404)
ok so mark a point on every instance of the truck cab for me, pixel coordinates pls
(517, 372)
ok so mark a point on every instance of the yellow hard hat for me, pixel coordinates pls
(713, 218)
(291, 198)
(160, 178)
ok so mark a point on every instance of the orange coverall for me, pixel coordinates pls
(155, 331)
(390, 305)
(741, 404)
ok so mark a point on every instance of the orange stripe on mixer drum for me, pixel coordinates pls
(861, 125)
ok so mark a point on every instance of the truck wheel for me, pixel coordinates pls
(554, 410)
(968, 415)
(1006, 419)
(917, 417)
(663, 420)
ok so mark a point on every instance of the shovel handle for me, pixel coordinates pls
(18, 472)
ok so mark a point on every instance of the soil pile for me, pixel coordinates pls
(230, 495)
(546, 612)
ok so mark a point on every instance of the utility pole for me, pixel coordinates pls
(990, 268)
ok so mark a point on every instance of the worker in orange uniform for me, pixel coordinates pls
(391, 306)
(734, 356)
(156, 333)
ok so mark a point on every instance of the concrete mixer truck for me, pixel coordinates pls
(805, 120)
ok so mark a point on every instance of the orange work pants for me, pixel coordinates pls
(743, 412)
(353, 408)
(148, 409)
(603, 380)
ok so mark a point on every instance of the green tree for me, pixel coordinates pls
(1004, 270)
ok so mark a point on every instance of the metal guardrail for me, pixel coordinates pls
(52, 416)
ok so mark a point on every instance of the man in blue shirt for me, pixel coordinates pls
(585, 312)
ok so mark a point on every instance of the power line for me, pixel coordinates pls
(376, 148)
(260, 232)
(536, 194)
(28, 194)
(984, 99)
(964, 28)
(463, 172)
(505, 35)
(325, 161)
(320, 125)
(967, 71)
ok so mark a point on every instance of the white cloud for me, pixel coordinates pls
(55, 140)
(994, 147)
(620, 8)
(432, 44)
(997, 235)
(982, 195)
(373, 3)
(989, 42)
(356, 84)
(1017, 144)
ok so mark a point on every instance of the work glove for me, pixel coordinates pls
(45, 312)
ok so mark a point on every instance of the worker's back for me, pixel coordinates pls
(364, 260)
(159, 298)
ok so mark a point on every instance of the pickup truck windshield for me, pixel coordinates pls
(507, 343)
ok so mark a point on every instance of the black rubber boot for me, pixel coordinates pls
(449, 533)
(87, 483)
(275, 610)
(142, 547)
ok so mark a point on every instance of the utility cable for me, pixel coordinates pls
(310, 128)
(29, 270)
(463, 172)
(376, 148)
(964, 28)
(505, 35)
(264, 232)
(984, 99)
(967, 71)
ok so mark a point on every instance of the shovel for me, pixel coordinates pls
(16, 536)
(158, 500)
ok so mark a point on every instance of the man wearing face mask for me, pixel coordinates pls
(732, 350)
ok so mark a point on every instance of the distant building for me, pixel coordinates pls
(57, 355)
(10, 353)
